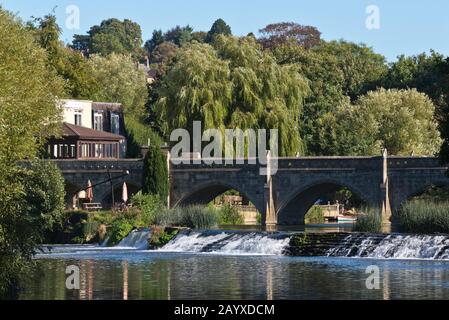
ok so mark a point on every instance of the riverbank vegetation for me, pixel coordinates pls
(369, 220)
(315, 216)
(424, 217)
(427, 213)
(148, 210)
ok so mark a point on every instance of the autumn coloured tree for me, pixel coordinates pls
(277, 34)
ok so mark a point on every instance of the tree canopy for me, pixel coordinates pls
(233, 84)
(277, 34)
(28, 114)
(363, 69)
(120, 81)
(402, 121)
(112, 36)
(219, 27)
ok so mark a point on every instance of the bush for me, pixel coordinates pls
(230, 215)
(119, 230)
(315, 216)
(161, 236)
(149, 206)
(424, 216)
(45, 192)
(196, 217)
(369, 221)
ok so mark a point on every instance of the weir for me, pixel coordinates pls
(355, 245)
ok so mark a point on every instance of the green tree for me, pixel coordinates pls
(400, 120)
(157, 39)
(363, 69)
(219, 27)
(44, 188)
(179, 35)
(326, 83)
(68, 63)
(155, 173)
(112, 36)
(425, 73)
(119, 80)
(33, 91)
(233, 84)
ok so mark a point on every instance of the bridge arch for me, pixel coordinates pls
(208, 191)
(293, 209)
(415, 191)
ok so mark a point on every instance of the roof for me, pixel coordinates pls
(83, 133)
(101, 106)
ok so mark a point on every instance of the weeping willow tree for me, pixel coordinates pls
(233, 84)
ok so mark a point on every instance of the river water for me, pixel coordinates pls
(229, 266)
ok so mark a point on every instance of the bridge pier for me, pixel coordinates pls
(384, 190)
(270, 211)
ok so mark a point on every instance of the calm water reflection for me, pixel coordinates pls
(113, 274)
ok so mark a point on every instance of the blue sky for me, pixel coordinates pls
(406, 26)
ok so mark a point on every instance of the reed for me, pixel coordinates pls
(424, 217)
(369, 221)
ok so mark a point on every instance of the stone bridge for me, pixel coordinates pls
(285, 197)
(77, 173)
(282, 198)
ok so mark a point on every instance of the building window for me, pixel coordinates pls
(98, 121)
(78, 119)
(115, 123)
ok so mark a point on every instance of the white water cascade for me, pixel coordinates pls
(394, 247)
(231, 243)
(137, 239)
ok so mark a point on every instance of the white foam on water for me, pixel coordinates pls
(412, 247)
(137, 239)
(228, 243)
(193, 242)
(394, 247)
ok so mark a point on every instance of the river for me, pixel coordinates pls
(242, 266)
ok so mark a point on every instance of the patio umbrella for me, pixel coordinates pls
(90, 191)
(125, 193)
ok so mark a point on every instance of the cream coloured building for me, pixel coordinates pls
(77, 112)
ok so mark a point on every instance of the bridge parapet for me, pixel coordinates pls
(414, 162)
(357, 163)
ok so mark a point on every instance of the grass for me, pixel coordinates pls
(424, 217)
(369, 221)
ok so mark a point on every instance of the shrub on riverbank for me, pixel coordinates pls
(315, 216)
(419, 216)
(148, 207)
(119, 229)
(229, 215)
(161, 236)
(369, 221)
